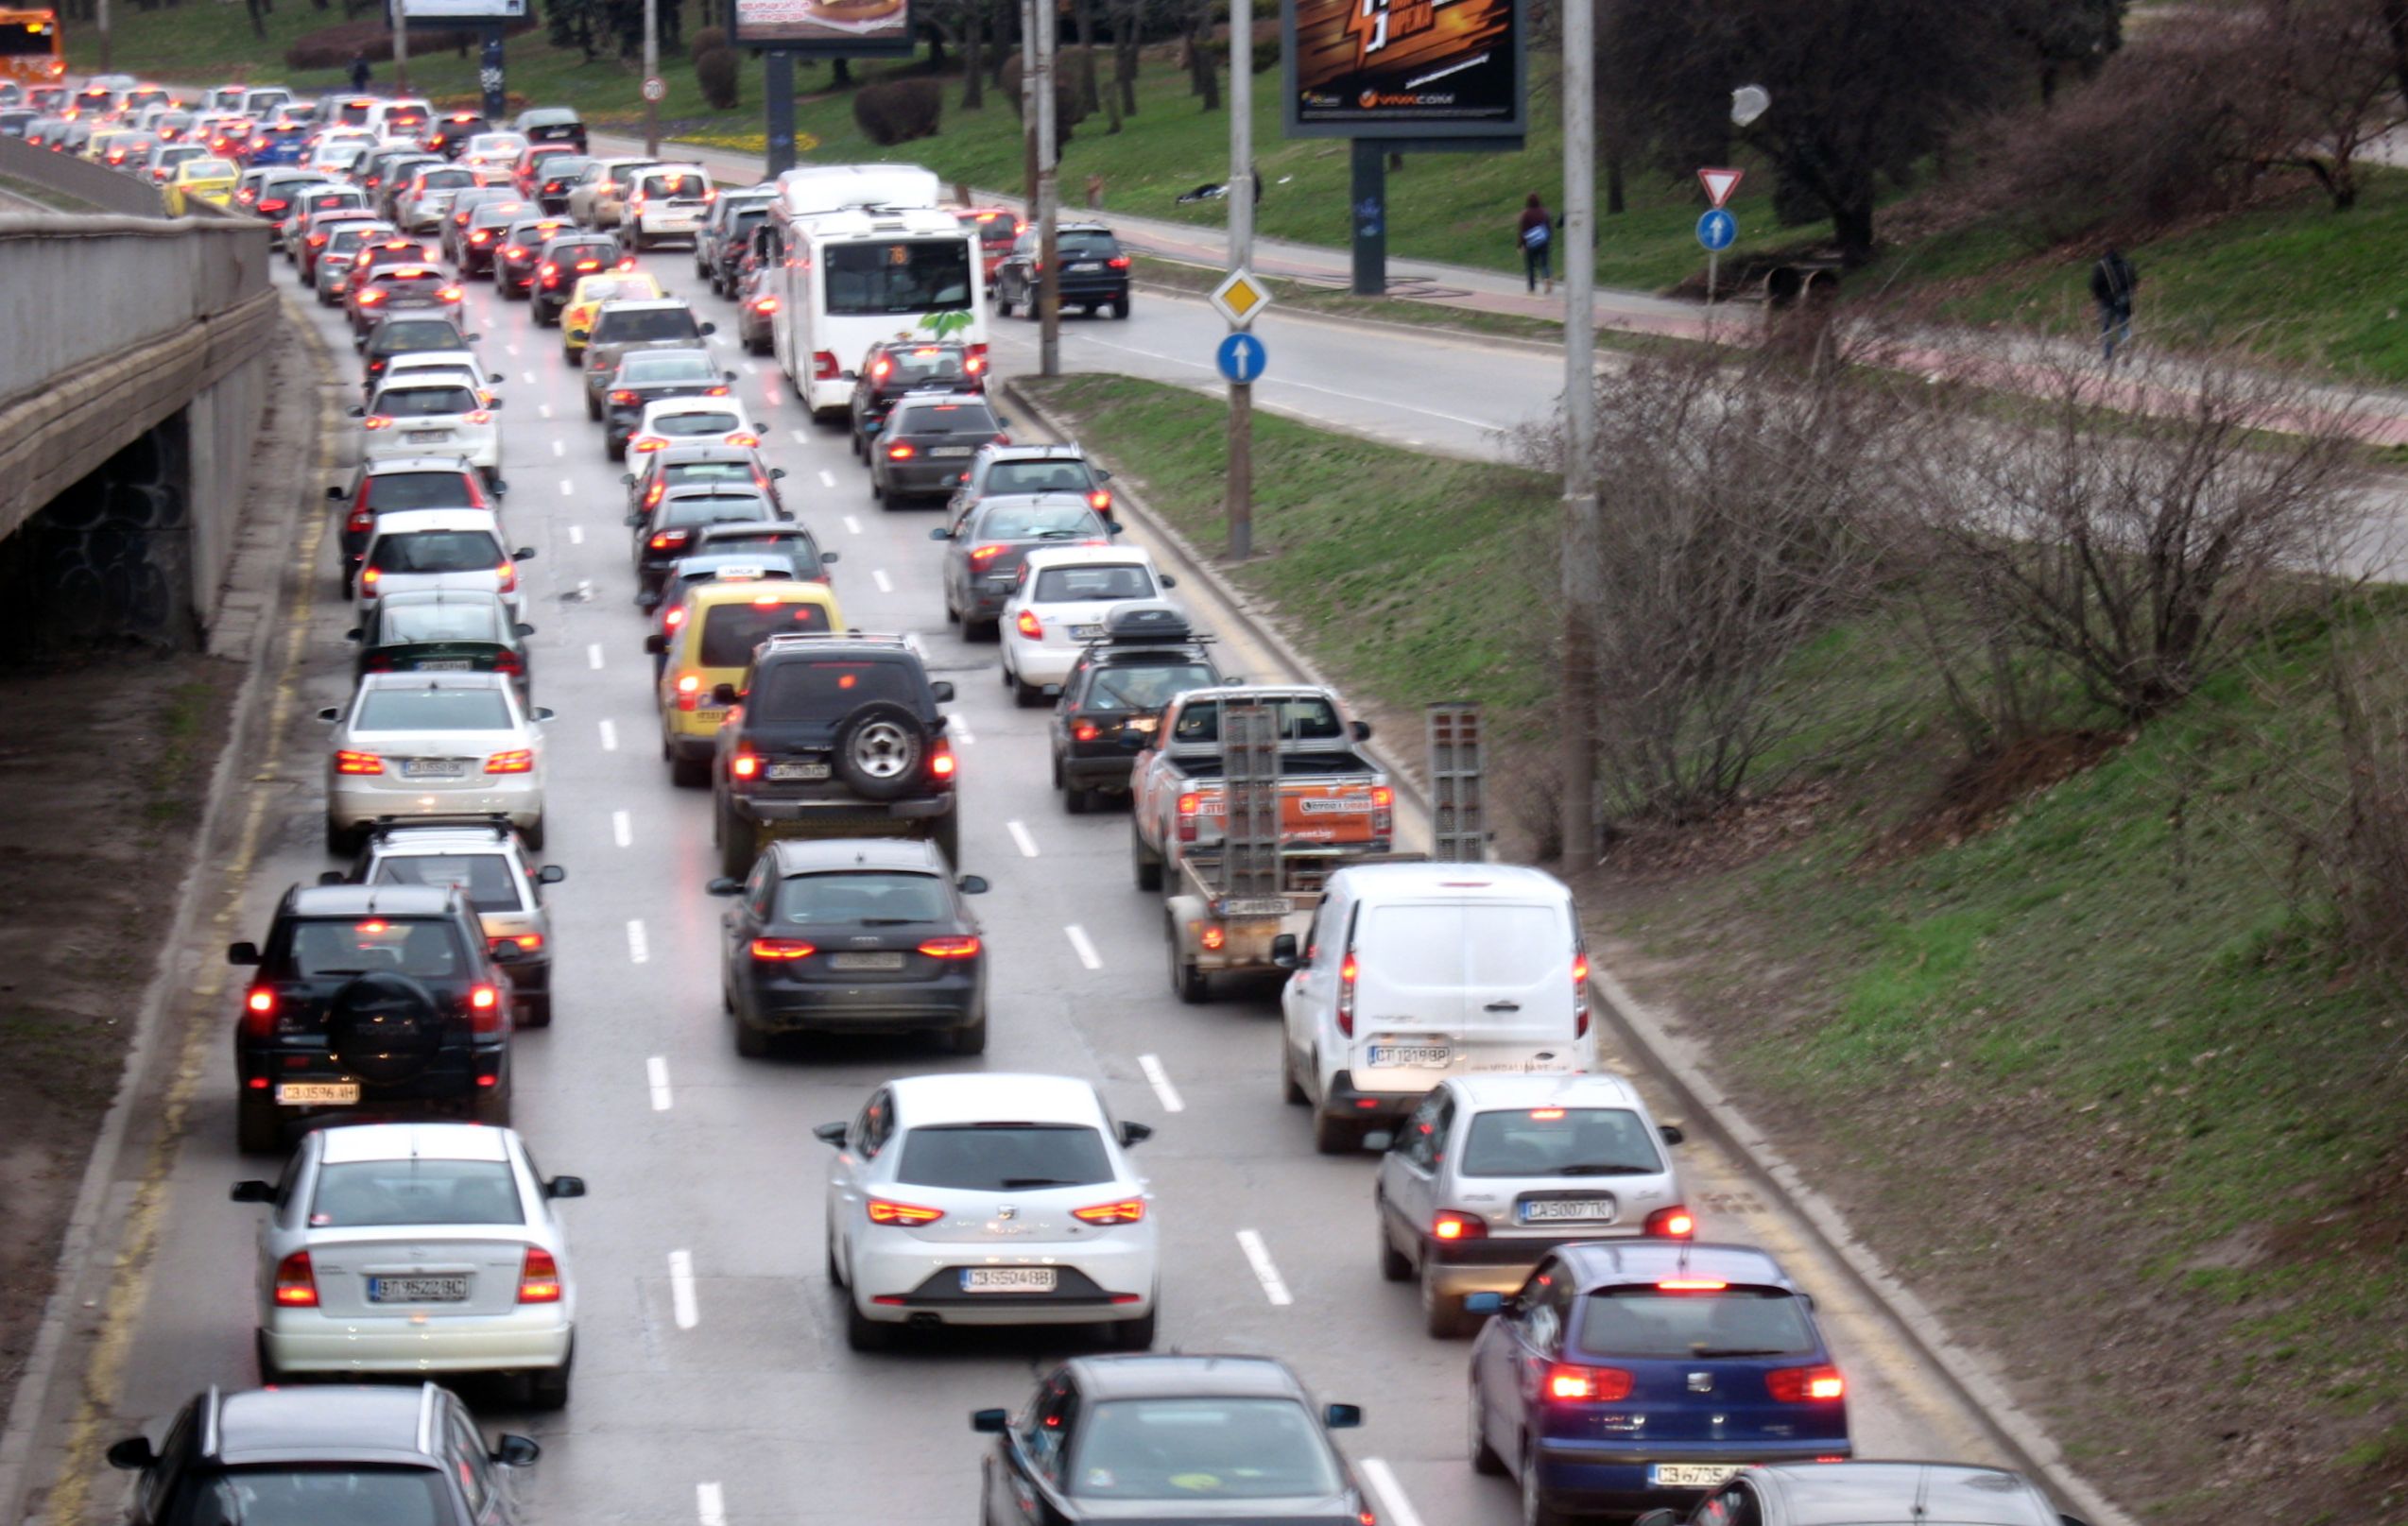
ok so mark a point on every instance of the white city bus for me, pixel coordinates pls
(863, 254)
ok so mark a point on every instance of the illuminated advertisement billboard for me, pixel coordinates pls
(826, 28)
(1403, 68)
(449, 12)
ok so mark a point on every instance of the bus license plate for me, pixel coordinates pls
(1007, 1280)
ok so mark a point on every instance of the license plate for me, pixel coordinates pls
(943, 451)
(797, 770)
(1087, 265)
(428, 436)
(710, 717)
(1567, 1210)
(434, 769)
(1007, 1280)
(446, 664)
(1423, 1055)
(305, 1093)
(1256, 907)
(417, 1290)
(1689, 1475)
(1087, 634)
(865, 961)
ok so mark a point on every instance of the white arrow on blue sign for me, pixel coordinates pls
(1716, 229)
(1242, 358)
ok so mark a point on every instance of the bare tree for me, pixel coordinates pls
(2327, 87)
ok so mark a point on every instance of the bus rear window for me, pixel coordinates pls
(910, 276)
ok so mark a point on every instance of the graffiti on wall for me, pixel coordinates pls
(111, 557)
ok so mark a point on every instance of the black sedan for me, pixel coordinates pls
(522, 252)
(679, 519)
(988, 544)
(442, 630)
(867, 935)
(561, 264)
(927, 442)
(647, 376)
(1169, 1438)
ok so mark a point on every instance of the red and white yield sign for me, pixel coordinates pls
(1719, 183)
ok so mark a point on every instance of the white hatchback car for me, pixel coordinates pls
(418, 744)
(667, 201)
(705, 421)
(447, 548)
(989, 1199)
(411, 417)
(414, 1249)
(1059, 605)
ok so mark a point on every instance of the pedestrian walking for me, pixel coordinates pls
(359, 70)
(2112, 283)
(1536, 229)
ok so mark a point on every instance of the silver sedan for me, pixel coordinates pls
(418, 744)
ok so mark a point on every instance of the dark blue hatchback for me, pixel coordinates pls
(1630, 1375)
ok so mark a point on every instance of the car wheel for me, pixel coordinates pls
(968, 1039)
(752, 1043)
(1120, 309)
(863, 1333)
(737, 848)
(534, 835)
(1336, 1135)
(690, 773)
(1134, 1335)
(1027, 695)
(1484, 1460)
(1441, 1312)
(835, 1268)
(341, 841)
(536, 1011)
(1188, 982)
(879, 749)
(615, 448)
(1291, 1089)
(1536, 1509)
(258, 1129)
(592, 409)
(1395, 1267)
(877, 488)
(1143, 865)
(549, 1389)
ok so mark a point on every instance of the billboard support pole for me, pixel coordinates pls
(1049, 308)
(778, 91)
(1580, 538)
(100, 19)
(651, 71)
(1238, 489)
(401, 45)
(1028, 110)
(488, 73)
(1370, 220)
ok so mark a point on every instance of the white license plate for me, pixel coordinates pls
(1256, 907)
(1007, 1280)
(446, 664)
(1087, 265)
(797, 770)
(428, 436)
(417, 1290)
(434, 769)
(1689, 1475)
(306, 1093)
(865, 961)
(1422, 1056)
(943, 451)
(1567, 1210)
(1087, 634)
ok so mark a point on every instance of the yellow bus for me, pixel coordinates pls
(33, 50)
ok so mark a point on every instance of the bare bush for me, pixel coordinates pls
(2362, 845)
(900, 110)
(2325, 87)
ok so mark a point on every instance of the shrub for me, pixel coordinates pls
(900, 110)
(715, 70)
(709, 39)
(331, 47)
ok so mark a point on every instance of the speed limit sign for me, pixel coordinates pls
(655, 89)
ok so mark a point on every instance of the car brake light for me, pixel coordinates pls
(823, 366)
(1693, 1284)
(509, 662)
(984, 554)
(1672, 1224)
(900, 451)
(259, 1010)
(478, 236)
(515, 761)
(509, 573)
(480, 416)
(1084, 731)
(1028, 625)
(295, 1284)
(667, 539)
(1118, 261)
(748, 440)
(360, 521)
(547, 270)
(369, 298)
(1580, 995)
(689, 691)
(1100, 500)
(370, 577)
(881, 369)
(315, 239)
(1213, 936)
(783, 948)
(673, 619)
(447, 294)
(648, 443)
(1346, 973)
(1449, 1224)
(652, 494)
(358, 763)
(975, 363)
(376, 420)
(716, 392)
(1805, 1385)
(538, 1277)
(1566, 1380)
(941, 761)
(1127, 1210)
(882, 1212)
(1189, 805)
(628, 263)
(514, 253)
(963, 945)
(745, 766)
(624, 397)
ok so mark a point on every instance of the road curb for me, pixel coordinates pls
(1676, 1064)
(96, 1225)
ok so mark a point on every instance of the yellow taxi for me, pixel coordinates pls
(709, 641)
(592, 291)
(197, 180)
(96, 147)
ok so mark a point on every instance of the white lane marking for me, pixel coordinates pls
(852, 527)
(1082, 945)
(878, 576)
(576, 535)
(638, 950)
(1160, 1080)
(511, 347)
(752, 366)
(828, 479)
(656, 1074)
(681, 1290)
(593, 655)
(710, 1505)
(559, 446)
(543, 410)
(1395, 1508)
(802, 437)
(623, 828)
(530, 377)
(568, 488)
(1265, 1271)
(959, 733)
(609, 736)
(1020, 835)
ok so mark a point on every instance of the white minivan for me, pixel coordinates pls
(1415, 973)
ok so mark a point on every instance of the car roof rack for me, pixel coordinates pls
(1148, 624)
(857, 638)
(497, 824)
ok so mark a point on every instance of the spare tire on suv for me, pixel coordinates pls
(879, 748)
(384, 1028)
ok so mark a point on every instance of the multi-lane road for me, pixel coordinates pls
(714, 1383)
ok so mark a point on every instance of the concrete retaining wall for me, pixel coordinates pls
(103, 187)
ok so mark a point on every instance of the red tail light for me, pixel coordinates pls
(823, 366)
(985, 554)
(899, 451)
(673, 619)
(624, 397)
(1190, 804)
(1213, 936)
(369, 298)
(480, 416)
(358, 763)
(764, 304)
(1084, 731)
(882, 1212)
(370, 577)
(748, 440)
(484, 1009)
(668, 540)
(941, 761)
(689, 689)
(509, 663)
(508, 573)
(315, 240)
(745, 766)
(516, 760)
(479, 235)
(1127, 1210)
(258, 1011)
(447, 294)
(783, 948)
(1674, 1222)
(881, 369)
(1806, 1385)
(963, 947)
(1450, 1226)
(1028, 625)
(1118, 261)
(295, 1284)
(360, 521)
(1567, 1381)
(1346, 973)
(1580, 995)
(538, 1277)
(975, 363)
(1100, 500)
(547, 270)
(376, 420)
(514, 252)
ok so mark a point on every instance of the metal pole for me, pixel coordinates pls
(1238, 500)
(401, 47)
(101, 17)
(1049, 343)
(778, 89)
(1028, 109)
(651, 71)
(1713, 261)
(1370, 218)
(1580, 432)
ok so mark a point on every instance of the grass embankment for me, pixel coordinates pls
(2087, 1068)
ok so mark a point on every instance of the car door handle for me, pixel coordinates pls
(1503, 1007)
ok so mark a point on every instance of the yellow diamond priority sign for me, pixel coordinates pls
(1240, 297)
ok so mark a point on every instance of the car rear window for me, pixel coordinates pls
(791, 691)
(648, 325)
(680, 425)
(1075, 245)
(1032, 521)
(669, 368)
(483, 878)
(731, 631)
(1559, 1141)
(1645, 1321)
(426, 947)
(425, 402)
(445, 179)
(1137, 686)
(310, 1493)
(1123, 580)
(494, 214)
(415, 334)
(368, 1193)
(462, 622)
(884, 898)
(1300, 720)
(434, 709)
(685, 187)
(1003, 1157)
(438, 551)
(1158, 1448)
(681, 473)
(947, 419)
(712, 510)
(1039, 476)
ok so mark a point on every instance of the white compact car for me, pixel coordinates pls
(414, 1249)
(449, 548)
(705, 421)
(667, 201)
(417, 745)
(412, 417)
(454, 366)
(1059, 605)
(989, 1199)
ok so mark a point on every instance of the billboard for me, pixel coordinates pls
(452, 12)
(825, 28)
(1428, 69)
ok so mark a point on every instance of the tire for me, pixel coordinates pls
(270, 1375)
(533, 836)
(1134, 1335)
(1484, 1460)
(1078, 799)
(880, 747)
(752, 1043)
(1120, 310)
(1395, 1267)
(738, 846)
(341, 842)
(865, 1334)
(690, 773)
(1187, 981)
(836, 1269)
(1442, 1313)
(549, 1388)
(635, 240)
(537, 1012)
(384, 1028)
(1291, 1089)
(1336, 1135)
(968, 1041)
(1144, 866)
(258, 1130)
(592, 409)
(1026, 695)
(947, 836)
(615, 448)
(1536, 1509)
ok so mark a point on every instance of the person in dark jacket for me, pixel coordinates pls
(359, 70)
(1536, 231)
(2112, 283)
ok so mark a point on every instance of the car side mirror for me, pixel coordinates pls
(1112, 526)
(1135, 1132)
(709, 329)
(723, 693)
(517, 1451)
(940, 533)
(1342, 1417)
(942, 691)
(725, 886)
(331, 713)
(1362, 731)
(776, 471)
(727, 376)
(830, 1134)
(1671, 1132)
(473, 339)
(627, 479)
(1483, 1303)
(829, 557)
(522, 628)
(564, 1186)
(501, 489)
(495, 402)
(330, 877)
(1283, 951)
(655, 644)
(986, 1422)
(550, 874)
(253, 1192)
(242, 953)
(525, 554)
(354, 634)
(1002, 422)
(333, 495)
(1102, 476)
(355, 413)
(135, 1453)
(971, 884)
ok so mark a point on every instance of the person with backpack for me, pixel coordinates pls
(1536, 231)
(359, 70)
(2112, 283)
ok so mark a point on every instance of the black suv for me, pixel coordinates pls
(1094, 271)
(344, 1452)
(895, 367)
(372, 1001)
(561, 265)
(1116, 691)
(834, 735)
(927, 442)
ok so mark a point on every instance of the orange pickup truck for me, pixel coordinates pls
(1333, 799)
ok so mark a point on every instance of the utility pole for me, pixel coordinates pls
(1581, 433)
(100, 17)
(401, 46)
(651, 71)
(1238, 504)
(1028, 108)
(1049, 308)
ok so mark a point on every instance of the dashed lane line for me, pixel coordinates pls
(610, 735)
(1266, 1271)
(878, 576)
(656, 1075)
(623, 829)
(593, 656)
(682, 1302)
(1083, 946)
(1160, 1080)
(1021, 839)
(1396, 1510)
(638, 950)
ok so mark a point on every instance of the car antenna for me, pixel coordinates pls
(1920, 1509)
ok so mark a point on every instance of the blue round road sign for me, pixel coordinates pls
(1242, 358)
(1716, 229)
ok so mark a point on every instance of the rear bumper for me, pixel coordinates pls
(1346, 1100)
(353, 800)
(949, 1002)
(931, 477)
(839, 813)
(533, 1338)
(1107, 772)
(1612, 1476)
(1095, 1279)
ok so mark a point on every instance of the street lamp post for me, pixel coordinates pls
(1580, 591)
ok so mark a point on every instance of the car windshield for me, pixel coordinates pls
(424, 948)
(425, 402)
(669, 368)
(881, 898)
(1003, 1157)
(1038, 521)
(422, 489)
(483, 878)
(912, 276)
(1038, 476)
(917, 366)
(438, 551)
(686, 425)
(793, 690)
(370, 1193)
(440, 622)
(731, 631)
(1645, 1321)
(300, 1495)
(1559, 1141)
(1145, 685)
(646, 325)
(947, 419)
(433, 710)
(1202, 1448)
(1118, 580)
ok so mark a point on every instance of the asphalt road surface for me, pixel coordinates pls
(713, 1381)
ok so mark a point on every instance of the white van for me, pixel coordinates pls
(1413, 972)
(670, 201)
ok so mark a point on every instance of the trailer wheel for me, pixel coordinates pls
(1187, 981)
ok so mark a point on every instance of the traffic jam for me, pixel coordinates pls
(845, 837)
